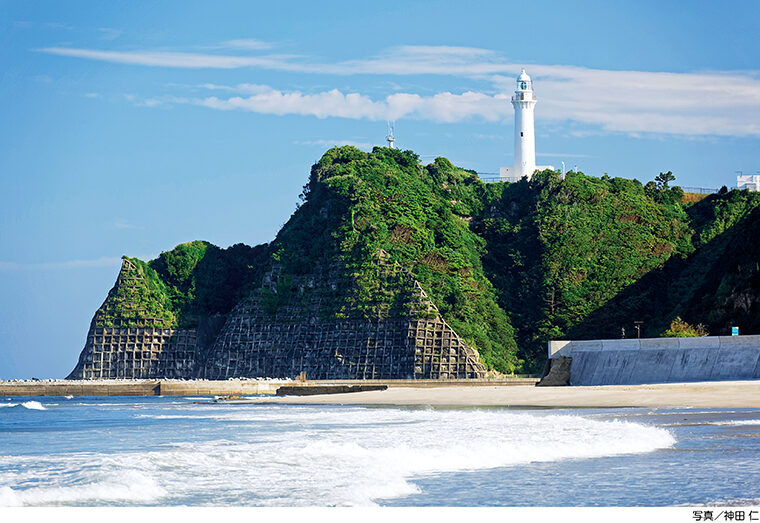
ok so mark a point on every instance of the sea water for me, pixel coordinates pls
(168, 451)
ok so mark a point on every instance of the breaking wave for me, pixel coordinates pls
(129, 486)
(735, 422)
(312, 456)
(31, 405)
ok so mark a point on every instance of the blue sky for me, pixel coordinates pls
(129, 127)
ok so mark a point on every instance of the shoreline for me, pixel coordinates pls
(239, 387)
(722, 394)
(519, 393)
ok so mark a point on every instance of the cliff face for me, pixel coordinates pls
(391, 269)
(134, 334)
(373, 276)
(287, 330)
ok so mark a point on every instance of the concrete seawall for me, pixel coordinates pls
(139, 387)
(660, 360)
(215, 387)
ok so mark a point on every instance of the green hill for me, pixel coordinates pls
(357, 204)
(507, 266)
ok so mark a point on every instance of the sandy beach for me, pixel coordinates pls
(712, 394)
(723, 394)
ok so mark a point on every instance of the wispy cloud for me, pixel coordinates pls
(726, 104)
(632, 102)
(138, 101)
(239, 88)
(248, 43)
(624, 110)
(178, 59)
(70, 264)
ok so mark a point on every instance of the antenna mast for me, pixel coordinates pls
(391, 139)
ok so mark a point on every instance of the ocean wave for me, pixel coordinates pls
(129, 486)
(317, 456)
(31, 405)
(735, 422)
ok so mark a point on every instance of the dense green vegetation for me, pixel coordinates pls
(561, 248)
(193, 280)
(716, 283)
(357, 204)
(203, 280)
(509, 266)
(139, 294)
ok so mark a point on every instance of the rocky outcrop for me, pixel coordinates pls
(559, 373)
(127, 341)
(281, 331)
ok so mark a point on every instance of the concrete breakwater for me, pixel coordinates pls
(659, 360)
(139, 387)
(216, 387)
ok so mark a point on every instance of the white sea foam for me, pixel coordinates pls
(128, 486)
(31, 405)
(735, 422)
(289, 455)
(9, 498)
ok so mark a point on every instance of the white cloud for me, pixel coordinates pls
(177, 59)
(163, 101)
(725, 104)
(633, 102)
(581, 98)
(322, 105)
(403, 60)
(239, 88)
(442, 107)
(423, 59)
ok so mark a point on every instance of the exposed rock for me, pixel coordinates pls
(559, 373)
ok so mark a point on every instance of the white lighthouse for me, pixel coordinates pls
(524, 101)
